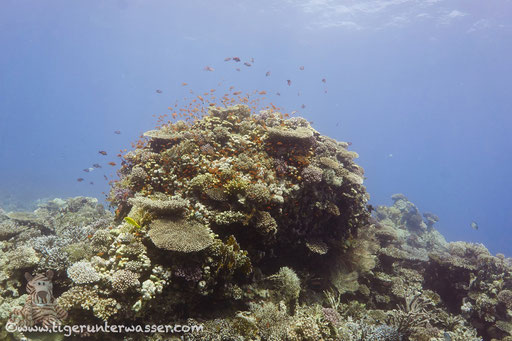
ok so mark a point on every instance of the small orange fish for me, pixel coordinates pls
(112, 163)
(236, 93)
(208, 68)
(102, 152)
(184, 84)
(262, 92)
(236, 59)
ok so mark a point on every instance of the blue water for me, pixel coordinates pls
(421, 89)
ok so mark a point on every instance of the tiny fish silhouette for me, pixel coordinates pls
(236, 59)
(474, 225)
(102, 152)
(267, 74)
(117, 132)
(289, 82)
(96, 165)
(323, 80)
(158, 91)
(80, 179)
(301, 68)
(208, 68)
(247, 64)
(227, 59)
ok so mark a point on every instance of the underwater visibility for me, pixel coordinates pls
(244, 212)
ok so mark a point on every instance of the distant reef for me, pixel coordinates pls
(253, 226)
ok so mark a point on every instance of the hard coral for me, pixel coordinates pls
(179, 235)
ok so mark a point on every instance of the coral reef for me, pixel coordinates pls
(256, 227)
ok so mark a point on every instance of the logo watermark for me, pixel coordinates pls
(68, 330)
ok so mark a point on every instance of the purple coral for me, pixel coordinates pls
(312, 174)
(122, 194)
(189, 274)
(331, 315)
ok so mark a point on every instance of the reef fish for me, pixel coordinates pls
(236, 59)
(96, 165)
(267, 74)
(474, 225)
(301, 68)
(158, 91)
(117, 132)
(208, 68)
(289, 82)
(102, 152)
(80, 179)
